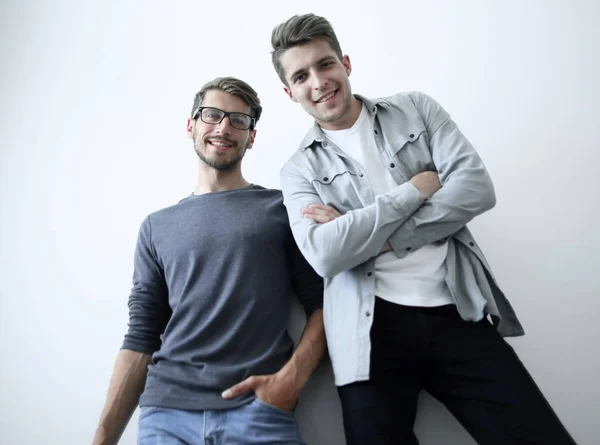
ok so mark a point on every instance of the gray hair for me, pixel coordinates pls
(298, 30)
(235, 87)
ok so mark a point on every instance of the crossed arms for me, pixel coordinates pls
(407, 217)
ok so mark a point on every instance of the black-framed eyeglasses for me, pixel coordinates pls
(214, 116)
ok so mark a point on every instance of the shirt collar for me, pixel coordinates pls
(315, 134)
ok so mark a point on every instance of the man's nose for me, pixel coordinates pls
(319, 82)
(224, 126)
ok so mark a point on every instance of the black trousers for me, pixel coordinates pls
(467, 366)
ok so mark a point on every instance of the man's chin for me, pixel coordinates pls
(219, 163)
(329, 117)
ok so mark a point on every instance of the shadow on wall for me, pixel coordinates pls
(320, 415)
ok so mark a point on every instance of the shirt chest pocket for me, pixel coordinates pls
(411, 152)
(339, 186)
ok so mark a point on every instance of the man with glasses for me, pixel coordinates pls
(207, 346)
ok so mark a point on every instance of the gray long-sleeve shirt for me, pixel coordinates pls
(215, 273)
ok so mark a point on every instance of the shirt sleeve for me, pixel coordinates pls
(306, 283)
(467, 189)
(149, 310)
(352, 238)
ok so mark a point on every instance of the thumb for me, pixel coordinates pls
(250, 384)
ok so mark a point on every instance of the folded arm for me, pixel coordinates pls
(467, 189)
(352, 238)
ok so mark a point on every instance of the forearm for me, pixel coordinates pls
(308, 354)
(465, 196)
(126, 386)
(352, 238)
(467, 189)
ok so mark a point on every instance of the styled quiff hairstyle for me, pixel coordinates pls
(299, 30)
(235, 87)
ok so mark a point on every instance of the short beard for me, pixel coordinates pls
(221, 165)
(227, 165)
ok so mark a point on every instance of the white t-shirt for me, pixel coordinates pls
(418, 279)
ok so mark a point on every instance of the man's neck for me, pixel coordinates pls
(211, 181)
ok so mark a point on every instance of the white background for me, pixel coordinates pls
(94, 100)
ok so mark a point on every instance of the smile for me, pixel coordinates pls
(327, 97)
(219, 145)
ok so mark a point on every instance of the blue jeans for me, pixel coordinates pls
(255, 423)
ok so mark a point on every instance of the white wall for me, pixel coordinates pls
(94, 98)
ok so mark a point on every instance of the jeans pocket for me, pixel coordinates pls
(273, 408)
(145, 411)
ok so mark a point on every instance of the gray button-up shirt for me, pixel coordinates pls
(413, 133)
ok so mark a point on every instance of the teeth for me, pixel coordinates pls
(329, 96)
(219, 144)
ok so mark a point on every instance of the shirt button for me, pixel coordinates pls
(471, 244)
(392, 165)
(368, 314)
(412, 135)
(369, 274)
(376, 132)
(325, 179)
(360, 175)
(408, 248)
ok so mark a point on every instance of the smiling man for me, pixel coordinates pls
(378, 195)
(207, 346)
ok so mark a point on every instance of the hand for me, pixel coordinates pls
(321, 213)
(427, 183)
(274, 389)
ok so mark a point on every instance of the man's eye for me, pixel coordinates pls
(240, 121)
(299, 78)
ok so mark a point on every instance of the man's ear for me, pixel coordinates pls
(190, 128)
(251, 141)
(289, 93)
(347, 64)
